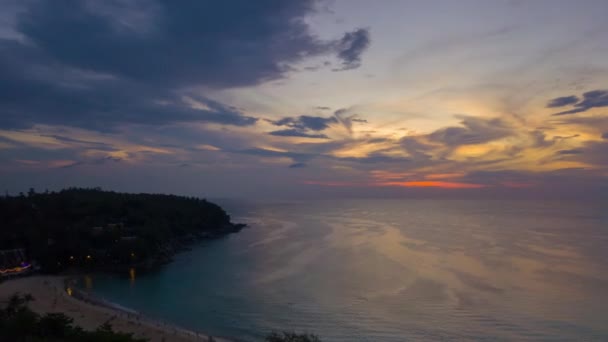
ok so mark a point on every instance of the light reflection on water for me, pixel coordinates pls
(391, 270)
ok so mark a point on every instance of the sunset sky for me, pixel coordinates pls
(306, 98)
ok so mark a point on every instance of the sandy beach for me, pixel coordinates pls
(49, 295)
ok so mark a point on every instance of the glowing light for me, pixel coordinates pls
(434, 184)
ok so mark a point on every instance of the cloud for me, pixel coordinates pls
(347, 120)
(605, 135)
(133, 62)
(351, 47)
(36, 93)
(591, 99)
(416, 149)
(562, 101)
(98, 161)
(305, 122)
(219, 44)
(475, 131)
(297, 133)
(376, 158)
(596, 153)
(570, 152)
(303, 126)
(84, 143)
(297, 165)
(262, 152)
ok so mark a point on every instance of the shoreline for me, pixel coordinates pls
(53, 294)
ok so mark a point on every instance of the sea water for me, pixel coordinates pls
(389, 270)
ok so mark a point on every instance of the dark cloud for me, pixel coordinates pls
(475, 131)
(376, 158)
(322, 108)
(305, 122)
(297, 133)
(540, 139)
(416, 149)
(321, 152)
(591, 99)
(218, 44)
(596, 153)
(351, 47)
(562, 101)
(297, 165)
(303, 126)
(261, 152)
(377, 140)
(97, 65)
(96, 161)
(570, 152)
(84, 143)
(605, 135)
(34, 92)
(575, 182)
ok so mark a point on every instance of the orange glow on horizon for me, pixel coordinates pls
(434, 184)
(406, 184)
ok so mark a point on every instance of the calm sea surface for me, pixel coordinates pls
(390, 270)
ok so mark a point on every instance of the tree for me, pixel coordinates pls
(19, 323)
(291, 337)
(56, 325)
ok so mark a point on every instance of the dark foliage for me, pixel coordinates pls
(291, 337)
(19, 323)
(91, 228)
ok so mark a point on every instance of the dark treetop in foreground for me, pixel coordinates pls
(19, 323)
(91, 228)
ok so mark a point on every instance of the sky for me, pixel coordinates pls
(305, 99)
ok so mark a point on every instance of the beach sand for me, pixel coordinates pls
(49, 295)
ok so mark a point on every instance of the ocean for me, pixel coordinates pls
(389, 270)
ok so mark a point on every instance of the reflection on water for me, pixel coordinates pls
(88, 282)
(132, 276)
(389, 270)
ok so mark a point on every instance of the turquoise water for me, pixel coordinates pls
(390, 270)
